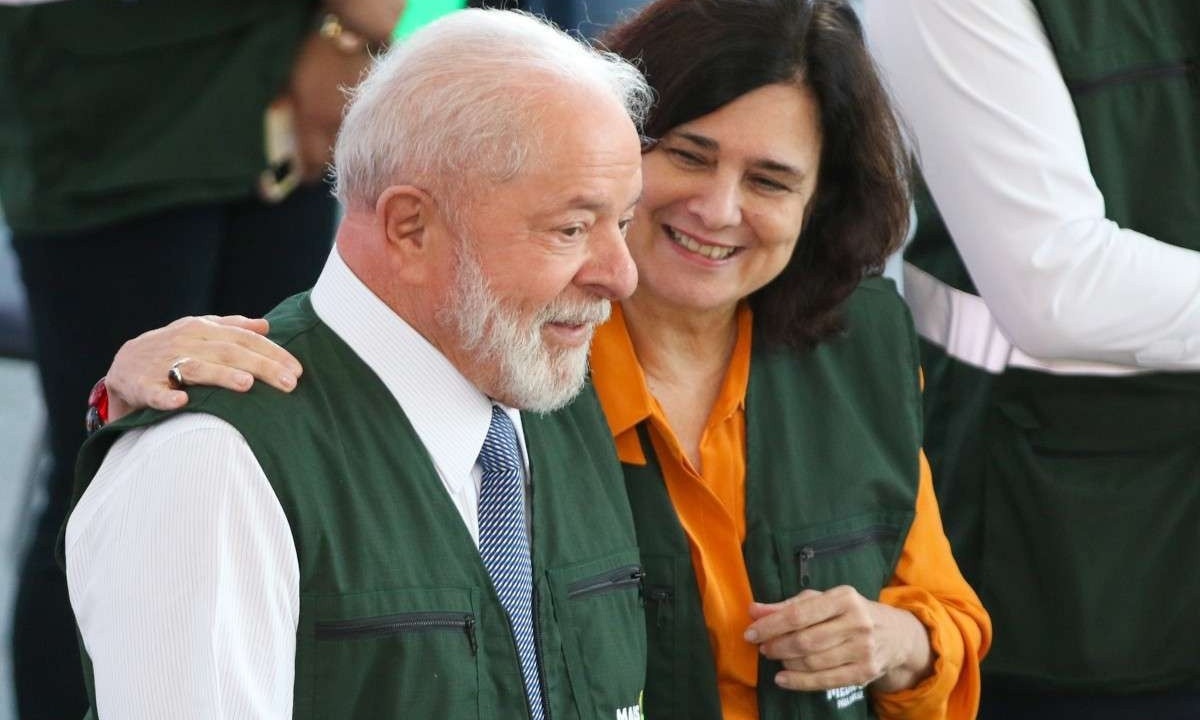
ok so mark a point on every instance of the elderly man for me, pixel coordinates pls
(394, 539)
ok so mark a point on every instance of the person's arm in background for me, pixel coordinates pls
(372, 20)
(329, 62)
(999, 145)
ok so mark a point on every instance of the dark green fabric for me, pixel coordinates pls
(832, 467)
(1072, 502)
(110, 109)
(389, 574)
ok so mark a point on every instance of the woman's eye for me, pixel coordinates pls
(686, 157)
(769, 185)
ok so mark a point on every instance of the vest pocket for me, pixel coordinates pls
(623, 578)
(404, 653)
(859, 551)
(1089, 539)
(599, 607)
(385, 625)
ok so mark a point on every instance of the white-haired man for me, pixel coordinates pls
(395, 539)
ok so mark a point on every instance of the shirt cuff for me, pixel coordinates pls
(929, 699)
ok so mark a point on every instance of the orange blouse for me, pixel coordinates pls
(711, 508)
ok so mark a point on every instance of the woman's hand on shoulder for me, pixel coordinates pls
(838, 638)
(230, 352)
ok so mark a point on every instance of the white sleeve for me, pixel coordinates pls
(184, 579)
(1000, 147)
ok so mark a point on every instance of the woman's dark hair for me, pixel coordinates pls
(702, 54)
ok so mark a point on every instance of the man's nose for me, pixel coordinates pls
(609, 270)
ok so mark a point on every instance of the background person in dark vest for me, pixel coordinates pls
(1055, 281)
(395, 539)
(761, 386)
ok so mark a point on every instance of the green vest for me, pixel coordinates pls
(398, 617)
(111, 109)
(832, 438)
(1072, 502)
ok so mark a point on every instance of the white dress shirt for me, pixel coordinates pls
(1000, 147)
(180, 561)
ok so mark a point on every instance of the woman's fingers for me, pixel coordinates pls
(222, 351)
(164, 399)
(824, 640)
(249, 333)
(255, 325)
(195, 371)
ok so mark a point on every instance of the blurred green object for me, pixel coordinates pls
(421, 12)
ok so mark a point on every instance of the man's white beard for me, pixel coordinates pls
(531, 376)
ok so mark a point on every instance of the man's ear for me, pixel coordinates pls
(406, 214)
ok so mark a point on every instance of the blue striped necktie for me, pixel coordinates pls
(504, 544)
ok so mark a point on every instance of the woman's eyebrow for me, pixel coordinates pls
(706, 143)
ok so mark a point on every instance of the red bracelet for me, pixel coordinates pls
(97, 414)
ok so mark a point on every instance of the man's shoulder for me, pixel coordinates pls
(169, 462)
(293, 319)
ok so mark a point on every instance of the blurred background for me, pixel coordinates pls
(22, 420)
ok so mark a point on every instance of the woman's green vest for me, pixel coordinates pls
(1073, 502)
(398, 618)
(832, 439)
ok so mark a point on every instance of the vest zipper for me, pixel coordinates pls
(659, 595)
(619, 579)
(537, 645)
(1147, 72)
(401, 623)
(838, 545)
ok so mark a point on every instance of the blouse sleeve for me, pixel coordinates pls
(927, 583)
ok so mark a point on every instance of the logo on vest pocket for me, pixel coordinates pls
(844, 697)
(633, 712)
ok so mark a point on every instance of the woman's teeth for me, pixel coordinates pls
(712, 252)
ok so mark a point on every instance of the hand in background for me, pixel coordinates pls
(323, 73)
(327, 67)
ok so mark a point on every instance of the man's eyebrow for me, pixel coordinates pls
(593, 203)
(707, 143)
(596, 203)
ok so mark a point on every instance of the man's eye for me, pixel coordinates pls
(573, 231)
(623, 225)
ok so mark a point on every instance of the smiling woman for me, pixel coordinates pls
(761, 384)
(722, 208)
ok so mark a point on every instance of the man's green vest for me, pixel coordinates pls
(398, 617)
(111, 109)
(1073, 502)
(832, 438)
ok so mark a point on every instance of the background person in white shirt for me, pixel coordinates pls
(225, 563)
(1060, 142)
